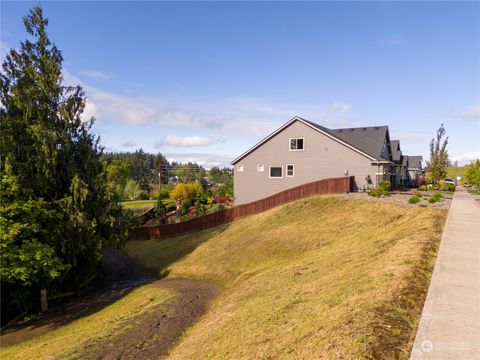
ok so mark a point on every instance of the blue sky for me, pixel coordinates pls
(204, 81)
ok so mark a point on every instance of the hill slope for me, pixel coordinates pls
(324, 277)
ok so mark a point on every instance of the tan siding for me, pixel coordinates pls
(322, 158)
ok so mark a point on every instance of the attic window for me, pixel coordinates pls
(239, 168)
(297, 144)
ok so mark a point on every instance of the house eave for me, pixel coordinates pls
(296, 118)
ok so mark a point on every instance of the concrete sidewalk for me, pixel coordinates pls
(450, 324)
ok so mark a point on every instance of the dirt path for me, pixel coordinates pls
(148, 336)
(152, 334)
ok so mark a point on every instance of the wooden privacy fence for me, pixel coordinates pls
(326, 186)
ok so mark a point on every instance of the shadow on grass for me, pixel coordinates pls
(160, 253)
(121, 276)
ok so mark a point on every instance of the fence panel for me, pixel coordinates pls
(320, 187)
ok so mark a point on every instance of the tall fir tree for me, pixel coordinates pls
(50, 168)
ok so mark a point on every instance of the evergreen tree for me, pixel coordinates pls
(51, 172)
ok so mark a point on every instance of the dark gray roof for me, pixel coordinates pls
(415, 162)
(395, 150)
(370, 140)
(367, 140)
(405, 160)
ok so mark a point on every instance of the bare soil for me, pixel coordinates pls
(149, 336)
(152, 334)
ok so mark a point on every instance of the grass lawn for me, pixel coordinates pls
(69, 340)
(138, 204)
(474, 192)
(319, 278)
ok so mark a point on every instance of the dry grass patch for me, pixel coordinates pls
(324, 277)
(70, 340)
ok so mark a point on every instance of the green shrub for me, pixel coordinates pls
(414, 199)
(437, 196)
(163, 193)
(384, 185)
(199, 210)
(215, 208)
(143, 195)
(382, 189)
(422, 188)
(170, 206)
(449, 187)
(185, 218)
(185, 206)
(432, 200)
(160, 213)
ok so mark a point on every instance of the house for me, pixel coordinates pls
(398, 170)
(301, 151)
(415, 169)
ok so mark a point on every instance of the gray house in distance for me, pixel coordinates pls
(301, 151)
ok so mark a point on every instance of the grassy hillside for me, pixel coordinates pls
(453, 172)
(319, 278)
(72, 339)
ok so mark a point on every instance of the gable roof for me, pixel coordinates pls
(395, 150)
(359, 143)
(368, 139)
(415, 162)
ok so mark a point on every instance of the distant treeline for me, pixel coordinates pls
(138, 175)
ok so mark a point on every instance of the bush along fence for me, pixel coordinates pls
(321, 187)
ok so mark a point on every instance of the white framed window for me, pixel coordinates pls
(296, 144)
(290, 170)
(276, 172)
(239, 168)
(260, 167)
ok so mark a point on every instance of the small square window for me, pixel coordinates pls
(276, 172)
(297, 144)
(239, 168)
(290, 170)
(260, 167)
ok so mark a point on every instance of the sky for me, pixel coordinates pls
(205, 81)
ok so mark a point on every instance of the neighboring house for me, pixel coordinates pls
(399, 174)
(301, 151)
(415, 169)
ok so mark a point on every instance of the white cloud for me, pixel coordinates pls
(96, 75)
(129, 144)
(234, 116)
(473, 112)
(184, 141)
(207, 160)
(464, 158)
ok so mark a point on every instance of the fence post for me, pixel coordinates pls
(43, 300)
